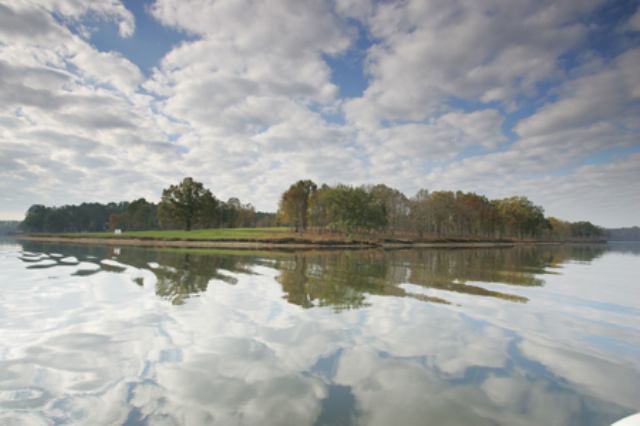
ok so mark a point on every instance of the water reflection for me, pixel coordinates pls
(340, 279)
(95, 336)
(179, 274)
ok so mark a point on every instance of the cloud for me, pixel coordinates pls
(284, 28)
(79, 124)
(241, 353)
(430, 51)
(496, 97)
(112, 10)
(251, 91)
(634, 21)
(25, 23)
(609, 95)
(593, 113)
(610, 378)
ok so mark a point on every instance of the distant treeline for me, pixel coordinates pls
(440, 214)
(624, 234)
(377, 210)
(194, 207)
(9, 227)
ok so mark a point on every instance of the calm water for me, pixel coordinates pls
(522, 336)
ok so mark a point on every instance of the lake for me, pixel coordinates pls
(532, 335)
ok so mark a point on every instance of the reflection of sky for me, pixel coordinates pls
(98, 349)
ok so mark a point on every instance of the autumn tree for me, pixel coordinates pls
(521, 217)
(443, 212)
(586, 230)
(294, 204)
(420, 213)
(559, 229)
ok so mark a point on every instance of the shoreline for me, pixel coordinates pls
(287, 244)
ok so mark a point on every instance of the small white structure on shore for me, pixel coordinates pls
(117, 231)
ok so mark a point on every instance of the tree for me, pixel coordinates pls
(9, 227)
(624, 234)
(35, 219)
(141, 215)
(559, 229)
(185, 203)
(396, 206)
(586, 230)
(356, 209)
(443, 212)
(117, 221)
(294, 204)
(86, 217)
(319, 208)
(420, 214)
(521, 217)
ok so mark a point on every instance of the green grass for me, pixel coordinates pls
(196, 234)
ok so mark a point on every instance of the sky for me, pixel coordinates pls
(113, 100)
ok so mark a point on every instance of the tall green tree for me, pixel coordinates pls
(185, 203)
(141, 215)
(295, 202)
(35, 219)
(356, 209)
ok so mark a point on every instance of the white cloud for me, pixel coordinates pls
(593, 113)
(251, 92)
(248, 102)
(283, 28)
(112, 10)
(608, 95)
(430, 51)
(242, 353)
(77, 124)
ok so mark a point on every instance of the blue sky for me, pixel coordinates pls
(150, 42)
(116, 100)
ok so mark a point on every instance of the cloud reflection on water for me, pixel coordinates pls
(273, 338)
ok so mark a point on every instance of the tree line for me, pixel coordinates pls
(381, 210)
(9, 227)
(367, 210)
(186, 205)
(624, 234)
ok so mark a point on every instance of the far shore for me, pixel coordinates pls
(281, 243)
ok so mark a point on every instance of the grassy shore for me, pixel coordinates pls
(217, 234)
(254, 238)
(230, 238)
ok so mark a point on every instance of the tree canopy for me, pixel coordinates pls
(377, 210)
(294, 204)
(439, 214)
(186, 203)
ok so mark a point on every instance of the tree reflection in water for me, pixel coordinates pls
(338, 279)
(343, 279)
(180, 273)
(183, 274)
